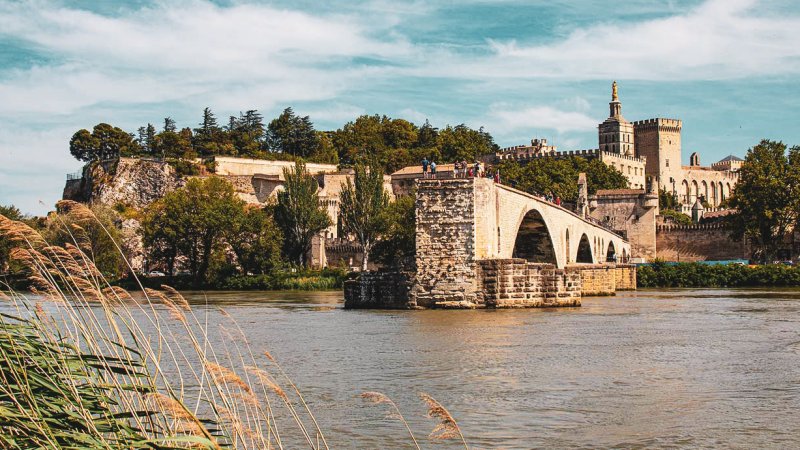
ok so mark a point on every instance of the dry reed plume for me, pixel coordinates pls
(447, 427)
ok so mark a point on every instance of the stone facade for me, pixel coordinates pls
(699, 242)
(379, 290)
(605, 279)
(633, 213)
(517, 283)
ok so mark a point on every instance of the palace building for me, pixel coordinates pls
(645, 150)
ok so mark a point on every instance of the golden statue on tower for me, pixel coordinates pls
(614, 97)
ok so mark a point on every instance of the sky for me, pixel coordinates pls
(730, 69)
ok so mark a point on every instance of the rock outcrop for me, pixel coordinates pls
(129, 181)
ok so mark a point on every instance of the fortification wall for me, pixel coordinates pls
(705, 242)
(226, 165)
(516, 283)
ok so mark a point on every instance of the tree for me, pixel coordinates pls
(97, 234)
(256, 240)
(559, 177)
(292, 134)
(171, 144)
(361, 207)
(767, 197)
(397, 246)
(10, 212)
(427, 135)
(169, 125)
(104, 142)
(196, 218)
(247, 133)
(208, 137)
(463, 143)
(298, 212)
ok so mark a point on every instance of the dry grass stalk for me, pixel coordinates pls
(447, 427)
(266, 380)
(169, 406)
(224, 375)
(176, 297)
(269, 356)
(379, 398)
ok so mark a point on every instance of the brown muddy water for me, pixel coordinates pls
(647, 369)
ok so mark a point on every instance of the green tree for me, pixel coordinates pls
(256, 240)
(767, 197)
(361, 207)
(197, 217)
(171, 144)
(397, 246)
(208, 137)
(97, 234)
(559, 177)
(298, 212)
(10, 212)
(169, 125)
(104, 142)
(463, 143)
(292, 134)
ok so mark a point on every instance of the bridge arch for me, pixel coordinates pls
(611, 252)
(584, 251)
(534, 241)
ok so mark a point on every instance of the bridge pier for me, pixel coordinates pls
(469, 233)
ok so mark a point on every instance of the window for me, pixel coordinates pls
(667, 163)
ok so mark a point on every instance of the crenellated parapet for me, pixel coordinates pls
(660, 124)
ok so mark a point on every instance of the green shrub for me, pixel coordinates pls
(660, 274)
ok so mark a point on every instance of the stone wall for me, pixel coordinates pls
(704, 242)
(596, 279)
(516, 283)
(625, 277)
(445, 252)
(379, 290)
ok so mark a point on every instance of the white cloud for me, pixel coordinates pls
(721, 39)
(505, 119)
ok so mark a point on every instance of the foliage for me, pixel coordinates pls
(303, 280)
(767, 197)
(397, 246)
(104, 142)
(10, 212)
(298, 212)
(695, 275)
(667, 201)
(191, 222)
(463, 143)
(292, 134)
(676, 216)
(256, 240)
(559, 177)
(361, 207)
(95, 231)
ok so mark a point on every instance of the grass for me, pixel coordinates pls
(84, 364)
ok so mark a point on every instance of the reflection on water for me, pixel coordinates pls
(675, 368)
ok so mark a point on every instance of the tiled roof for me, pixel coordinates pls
(603, 192)
(731, 158)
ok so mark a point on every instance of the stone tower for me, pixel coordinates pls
(659, 140)
(582, 205)
(616, 134)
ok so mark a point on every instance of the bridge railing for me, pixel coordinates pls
(74, 176)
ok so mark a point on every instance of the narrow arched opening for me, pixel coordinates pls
(566, 246)
(584, 251)
(611, 253)
(533, 241)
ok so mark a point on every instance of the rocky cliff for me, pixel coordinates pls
(129, 181)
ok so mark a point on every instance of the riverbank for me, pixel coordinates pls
(695, 275)
(301, 280)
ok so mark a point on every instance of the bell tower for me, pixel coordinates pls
(615, 134)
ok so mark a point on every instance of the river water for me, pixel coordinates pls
(645, 369)
(669, 368)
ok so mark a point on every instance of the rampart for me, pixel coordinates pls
(701, 242)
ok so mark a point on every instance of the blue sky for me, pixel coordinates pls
(728, 68)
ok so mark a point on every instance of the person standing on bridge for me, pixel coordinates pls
(424, 167)
(497, 175)
(433, 170)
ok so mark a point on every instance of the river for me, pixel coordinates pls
(645, 369)
(668, 368)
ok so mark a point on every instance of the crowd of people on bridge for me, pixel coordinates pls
(461, 169)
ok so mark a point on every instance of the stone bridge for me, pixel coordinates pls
(484, 244)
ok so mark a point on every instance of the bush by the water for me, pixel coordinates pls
(660, 274)
(304, 280)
